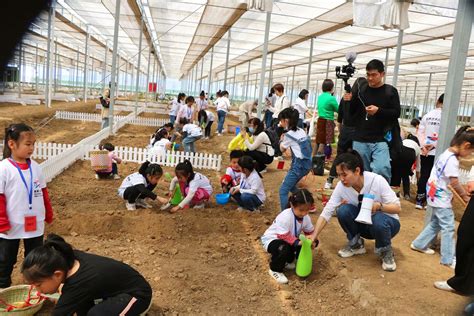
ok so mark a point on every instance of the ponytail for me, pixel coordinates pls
(464, 134)
(41, 263)
(292, 115)
(247, 162)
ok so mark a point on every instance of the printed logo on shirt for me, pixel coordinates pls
(37, 192)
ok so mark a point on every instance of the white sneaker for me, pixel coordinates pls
(327, 186)
(443, 285)
(97, 176)
(130, 206)
(278, 276)
(165, 206)
(348, 251)
(291, 265)
(452, 265)
(240, 209)
(427, 251)
(142, 203)
(388, 261)
(219, 134)
(116, 177)
(202, 205)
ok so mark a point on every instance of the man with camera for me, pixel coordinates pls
(376, 109)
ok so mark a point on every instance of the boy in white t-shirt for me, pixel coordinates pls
(233, 171)
(191, 133)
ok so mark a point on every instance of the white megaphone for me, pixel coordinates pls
(365, 213)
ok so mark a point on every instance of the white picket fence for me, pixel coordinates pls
(56, 164)
(94, 117)
(170, 159)
(157, 110)
(48, 150)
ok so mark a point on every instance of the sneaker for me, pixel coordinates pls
(240, 209)
(280, 158)
(142, 203)
(443, 285)
(130, 206)
(388, 261)
(452, 265)
(349, 251)
(278, 276)
(219, 134)
(419, 205)
(328, 185)
(116, 177)
(202, 205)
(427, 251)
(97, 176)
(406, 197)
(165, 206)
(291, 265)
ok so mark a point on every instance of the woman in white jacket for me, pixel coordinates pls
(300, 106)
(261, 149)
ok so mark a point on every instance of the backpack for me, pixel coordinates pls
(273, 137)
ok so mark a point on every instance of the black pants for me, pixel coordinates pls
(107, 174)
(463, 279)
(401, 169)
(122, 304)
(261, 158)
(207, 130)
(9, 252)
(131, 194)
(427, 163)
(344, 143)
(279, 131)
(282, 253)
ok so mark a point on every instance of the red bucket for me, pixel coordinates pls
(280, 165)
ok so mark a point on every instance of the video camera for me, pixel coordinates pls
(347, 71)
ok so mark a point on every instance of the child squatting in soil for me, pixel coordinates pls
(140, 185)
(439, 214)
(233, 171)
(281, 238)
(24, 200)
(92, 285)
(194, 186)
(112, 169)
(249, 193)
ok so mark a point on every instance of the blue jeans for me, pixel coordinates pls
(188, 143)
(221, 119)
(299, 168)
(383, 227)
(376, 157)
(268, 118)
(442, 220)
(247, 200)
(172, 119)
(105, 123)
(300, 123)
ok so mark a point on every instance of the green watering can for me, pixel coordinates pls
(304, 265)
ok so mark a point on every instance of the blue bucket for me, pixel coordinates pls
(237, 130)
(222, 198)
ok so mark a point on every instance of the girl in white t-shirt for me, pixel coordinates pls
(281, 239)
(201, 102)
(206, 119)
(194, 186)
(161, 143)
(140, 185)
(249, 193)
(222, 107)
(443, 179)
(175, 105)
(299, 143)
(24, 200)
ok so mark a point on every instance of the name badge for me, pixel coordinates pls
(30, 223)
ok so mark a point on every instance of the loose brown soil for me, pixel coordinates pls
(210, 261)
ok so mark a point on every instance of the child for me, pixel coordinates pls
(233, 172)
(222, 107)
(161, 143)
(445, 173)
(191, 133)
(195, 187)
(168, 127)
(112, 169)
(206, 118)
(300, 144)
(402, 166)
(85, 278)
(176, 106)
(281, 238)
(202, 102)
(24, 200)
(249, 193)
(187, 110)
(139, 185)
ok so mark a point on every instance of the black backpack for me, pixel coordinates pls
(274, 139)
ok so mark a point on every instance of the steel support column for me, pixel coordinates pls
(209, 76)
(308, 78)
(264, 64)
(114, 67)
(397, 58)
(86, 59)
(227, 59)
(51, 17)
(139, 64)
